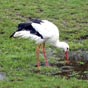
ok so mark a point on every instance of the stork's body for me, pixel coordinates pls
(41, 31)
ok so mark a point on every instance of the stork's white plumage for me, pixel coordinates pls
(41, 31)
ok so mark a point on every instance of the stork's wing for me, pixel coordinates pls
(46, 29)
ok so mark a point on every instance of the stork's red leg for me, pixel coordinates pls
(45, 56)
(37, 54)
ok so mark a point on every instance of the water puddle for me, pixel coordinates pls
(2, 76)
(77, 68)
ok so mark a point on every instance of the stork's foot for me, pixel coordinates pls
(39, 67)
(47, 64)
(67, 62)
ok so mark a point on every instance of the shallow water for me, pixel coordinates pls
(77, 68)
(2, 75)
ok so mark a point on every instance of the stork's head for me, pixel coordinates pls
(65, 47)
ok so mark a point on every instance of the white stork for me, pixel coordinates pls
(42, 31)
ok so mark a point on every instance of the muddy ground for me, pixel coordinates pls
(78, 66)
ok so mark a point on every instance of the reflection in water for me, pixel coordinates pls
(2, 76)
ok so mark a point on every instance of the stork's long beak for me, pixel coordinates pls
(67, 56)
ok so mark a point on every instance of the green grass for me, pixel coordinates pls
(41, 81)
(17, 56)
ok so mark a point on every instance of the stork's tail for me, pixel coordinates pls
(12, 35)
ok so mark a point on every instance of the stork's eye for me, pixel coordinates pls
(67, 48)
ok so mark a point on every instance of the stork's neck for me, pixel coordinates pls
(58, 44)
(62, 45)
